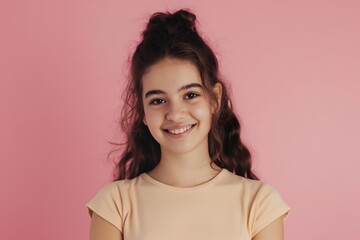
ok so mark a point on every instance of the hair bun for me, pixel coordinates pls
(176, 23)
(186, 17)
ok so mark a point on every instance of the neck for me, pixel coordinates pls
(185, 169)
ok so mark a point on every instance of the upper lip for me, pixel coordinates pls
(174, 127)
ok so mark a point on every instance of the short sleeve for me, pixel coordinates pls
(269, 205)
(107, 204)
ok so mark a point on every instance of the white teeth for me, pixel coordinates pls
(181, 130)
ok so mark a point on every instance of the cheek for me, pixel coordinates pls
(153, 118)
(203, 113)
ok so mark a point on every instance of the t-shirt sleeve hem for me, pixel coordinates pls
(276, 213)
(107, 215)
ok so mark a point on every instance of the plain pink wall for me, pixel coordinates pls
(295, 71)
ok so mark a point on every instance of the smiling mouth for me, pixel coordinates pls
(180, 130)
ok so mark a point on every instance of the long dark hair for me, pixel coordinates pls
(174, 35)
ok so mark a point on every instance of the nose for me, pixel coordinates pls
(175, 112)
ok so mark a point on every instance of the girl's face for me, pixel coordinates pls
(177, 112)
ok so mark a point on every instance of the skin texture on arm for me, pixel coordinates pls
(273, 231)
(100, 229)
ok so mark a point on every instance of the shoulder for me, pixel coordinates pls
(112, 194)
(257, 194)
(259, 188)
(264, 202)
(111, 202)
(248, 186)
(111, 188)
(108, 196)
(262, 193)
(118, 186)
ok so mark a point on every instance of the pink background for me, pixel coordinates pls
(294, 67)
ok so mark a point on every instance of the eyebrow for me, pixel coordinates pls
(156, 91)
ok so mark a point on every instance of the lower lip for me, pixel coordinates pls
(180, 134)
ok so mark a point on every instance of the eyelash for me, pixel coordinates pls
(194, 95)
(152, 102)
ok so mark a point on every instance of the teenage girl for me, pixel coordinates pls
(184, 172)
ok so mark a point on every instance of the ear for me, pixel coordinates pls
(217, 89)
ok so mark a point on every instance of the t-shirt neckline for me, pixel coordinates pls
(211, 182)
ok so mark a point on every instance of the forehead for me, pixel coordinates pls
(170, 74)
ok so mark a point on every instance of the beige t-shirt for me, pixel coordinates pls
(227, 207)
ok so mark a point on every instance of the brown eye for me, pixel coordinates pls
(191, 95)
(156, 101)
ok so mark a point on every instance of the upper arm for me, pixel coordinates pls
(273, 231)
(100, 229)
